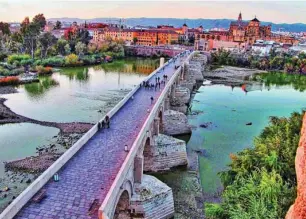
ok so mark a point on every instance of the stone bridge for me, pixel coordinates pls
(102, 175)
(149, 51)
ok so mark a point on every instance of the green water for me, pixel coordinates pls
(80, 94)
(72, 94)
(229, 110)
(20, 140)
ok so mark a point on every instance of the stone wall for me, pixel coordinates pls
(154, 199)
(298, 209)
(181, 99)
(176, 123)
(165, 153)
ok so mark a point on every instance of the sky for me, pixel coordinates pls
(274, 11)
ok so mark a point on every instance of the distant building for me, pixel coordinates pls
(246, 32)
(262, 47)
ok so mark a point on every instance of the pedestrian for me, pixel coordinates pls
(159, 85)
(152, 99)
(107, 121)
(158, 79)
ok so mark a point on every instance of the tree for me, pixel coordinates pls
(67, 49)
(40, 20)
(46, 41)
(61, 46)
(5, 28)
(24, 25)
(17, 37)
(30, 38)
(58, 25)
(80, 48)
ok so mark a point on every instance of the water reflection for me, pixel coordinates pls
(39, 88)
(78, 73)
(279, 79)
(82, 94)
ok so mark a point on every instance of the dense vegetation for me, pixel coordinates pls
(261, 181)
(283, 61)
(31, 47)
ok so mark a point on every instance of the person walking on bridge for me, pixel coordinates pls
(152, 99)
(107, 121)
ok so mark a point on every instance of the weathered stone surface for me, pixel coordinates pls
(176, 123)
(154, 198)
(298, 209)
(181, 109)
(181, 99)
(165, 153)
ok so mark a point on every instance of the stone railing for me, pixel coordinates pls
(109, 200)
(31, 190)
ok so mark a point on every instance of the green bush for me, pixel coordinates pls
(3, 56)
(261, 181)
(4, 71)
(72, 60)
(53, 62)
(88, 60)
(213, 211)
(26, 62)
(17, 57)
(17, 71)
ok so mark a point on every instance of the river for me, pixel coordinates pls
(227, 110)
(69, 95)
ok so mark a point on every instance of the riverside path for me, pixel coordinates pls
(89, 174)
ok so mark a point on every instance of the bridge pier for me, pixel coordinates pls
(138, 169)
(165, 153)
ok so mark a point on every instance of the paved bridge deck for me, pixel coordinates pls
(90, 173)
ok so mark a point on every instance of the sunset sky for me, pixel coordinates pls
(275, 11)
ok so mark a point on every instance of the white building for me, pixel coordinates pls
(262, 47)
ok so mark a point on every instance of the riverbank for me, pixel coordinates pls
(8, 116)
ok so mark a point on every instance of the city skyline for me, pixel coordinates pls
(16, 10)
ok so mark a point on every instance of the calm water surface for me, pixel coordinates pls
(77, 94)
(230, 109)
(72, 94)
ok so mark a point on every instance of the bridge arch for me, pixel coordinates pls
(122, 209)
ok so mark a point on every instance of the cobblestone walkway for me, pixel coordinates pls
(91, 172)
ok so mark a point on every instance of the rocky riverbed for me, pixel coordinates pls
(20, 173)
(232, 76)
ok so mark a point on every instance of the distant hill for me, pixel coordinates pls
(177, 22)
